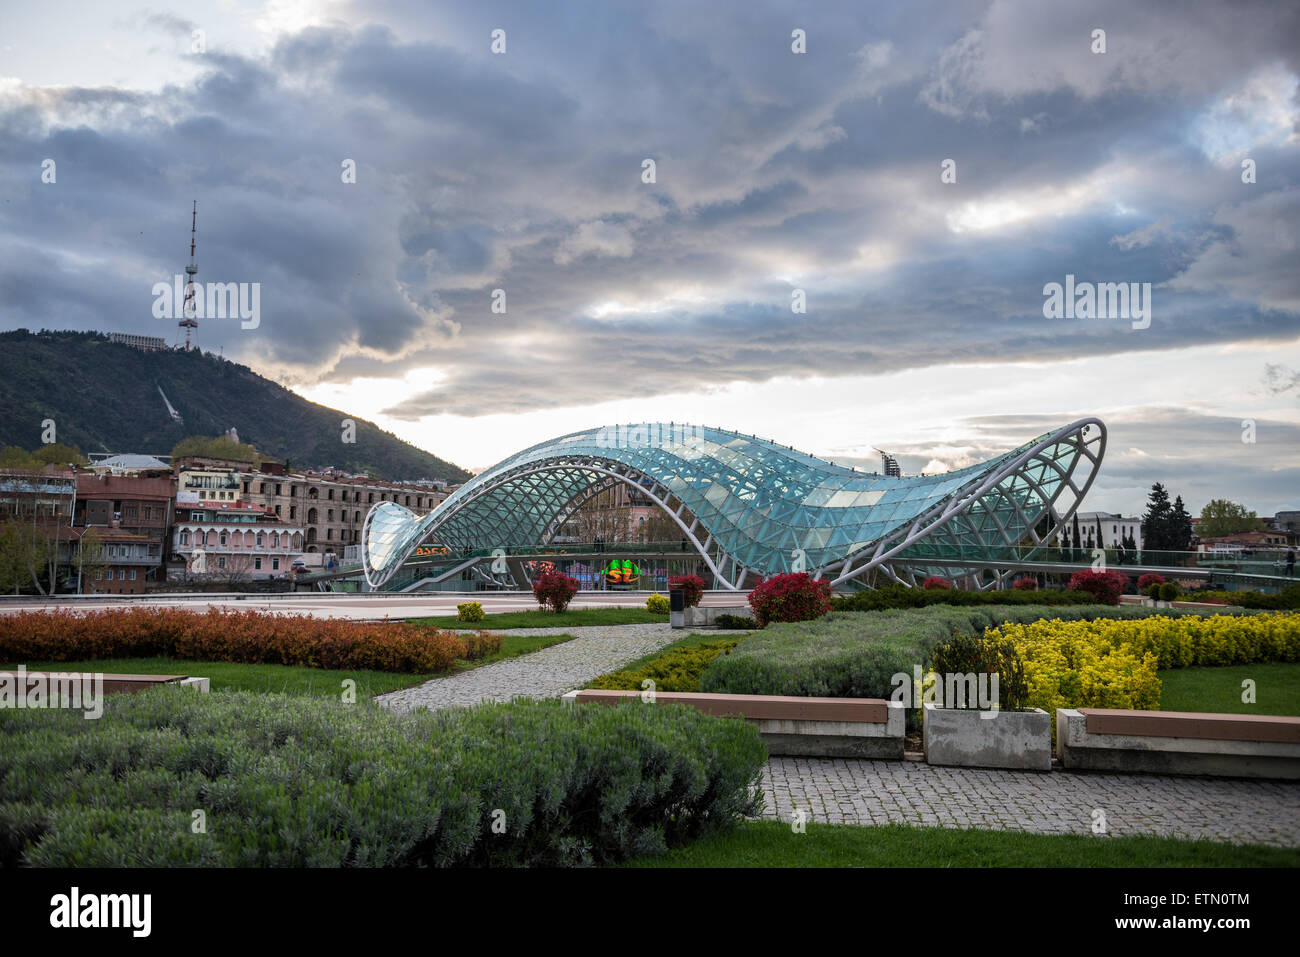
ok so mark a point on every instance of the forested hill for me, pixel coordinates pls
(104, 397)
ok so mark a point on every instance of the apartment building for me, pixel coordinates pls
(131, 515)
(232, 540)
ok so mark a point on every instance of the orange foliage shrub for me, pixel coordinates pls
(247, 637)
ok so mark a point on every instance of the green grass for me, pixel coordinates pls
(573, 618)
(287, 679)
(774, 844)
(1218, 690)
(689, 641)
(230, 676)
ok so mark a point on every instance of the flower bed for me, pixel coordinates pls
(247, 637)
(901, 596)
(316, 783)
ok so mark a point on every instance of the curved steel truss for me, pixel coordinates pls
(752, 508)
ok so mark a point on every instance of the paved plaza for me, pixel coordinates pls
(548, 673)
(839, 791)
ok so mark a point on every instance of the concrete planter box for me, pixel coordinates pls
(708, 617)
(969, 738)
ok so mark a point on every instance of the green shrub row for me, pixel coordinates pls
(855, 654)
(295, 782)
(676, 670)
(900, 596)
(1288, 599)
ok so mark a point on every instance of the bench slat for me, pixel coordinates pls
(1193, 724)
(759, 707)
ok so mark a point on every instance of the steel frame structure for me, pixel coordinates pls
(751, 508)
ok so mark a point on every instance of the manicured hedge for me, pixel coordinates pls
(247, 637)
(900, 596)
(1113, 663)
(855, 654)
(295, 782)
(1288, 599)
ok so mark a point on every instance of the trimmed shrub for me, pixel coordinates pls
(966, 654)
(658, 604)
(481, 644)
(678, 669)
(247, 637)
(935, 581)
(298, 782)
(469, 611)
(795, 596)
(1106, 586)
(1113, 663)
(1025, 584)
(555, 590)
(1168, 591)
(856, 654)
(736, 622)
(1286, 600)
(901, 596)
(1149, 579)
(691, 585)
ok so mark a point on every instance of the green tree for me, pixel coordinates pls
(1224, 517)
(1156, 522)
(89, 558)
(1180, 527)
(216, 447)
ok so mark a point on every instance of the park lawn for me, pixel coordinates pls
(774, 844)
(1218, 690)
(689, 641)
(573, 618)
(289, 679)
(234, 676)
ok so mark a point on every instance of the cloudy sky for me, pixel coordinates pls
(775, 172)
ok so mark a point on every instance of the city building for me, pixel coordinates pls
(143, 343)
(1114, 529)
(132, 515)
(38, 505)
(234, 541)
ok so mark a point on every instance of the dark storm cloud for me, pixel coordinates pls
(523, 172)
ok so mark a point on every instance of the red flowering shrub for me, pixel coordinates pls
(791, 597)
(246, 637)
(1105, 586)
(1025, 584)
(934, 581)
(1149, 579)
(555, 590)
(692, 585)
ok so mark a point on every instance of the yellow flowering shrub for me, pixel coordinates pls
(469, 611)
(1112, 663)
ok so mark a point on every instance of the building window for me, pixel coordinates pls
(293, 512)
(99, 575)
(223, 538)
(275, 540)
(275, 564)
(121, 574)
(329, 533)
(257, 564)
(259, 541)
(277, 489)
(221, 562)
(133, 574)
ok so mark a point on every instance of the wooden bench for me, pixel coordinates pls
(791, 725)
(113, 683)
(1179, 742)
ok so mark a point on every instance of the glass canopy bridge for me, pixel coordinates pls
(749, 508)
(973, 566)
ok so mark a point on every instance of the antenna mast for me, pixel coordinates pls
(190, 310)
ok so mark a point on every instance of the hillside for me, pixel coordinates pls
(103, 397)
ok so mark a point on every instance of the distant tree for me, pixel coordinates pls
(1180, 527)
(1077, 539)
(1224, 517)
(1156, 529)
(57, 454)
(89, 558)
(216, 447)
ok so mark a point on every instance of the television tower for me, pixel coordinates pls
(189, 310)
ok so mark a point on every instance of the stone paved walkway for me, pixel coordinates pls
(841, 791)
(594, 651)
